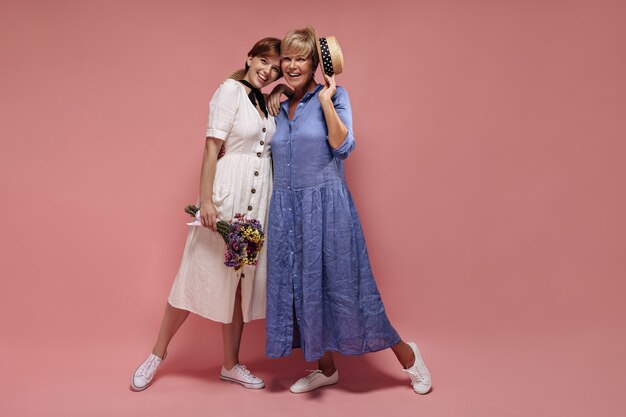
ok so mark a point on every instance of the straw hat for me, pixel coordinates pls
(329, 52)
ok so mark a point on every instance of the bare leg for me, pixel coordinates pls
(173, 318)
(414, 366)
(231, 334)
(404, 353)
(326, 364)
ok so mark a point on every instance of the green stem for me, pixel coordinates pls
(191, 210)
(223, 228)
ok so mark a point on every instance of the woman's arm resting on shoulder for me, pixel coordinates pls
(273, 99)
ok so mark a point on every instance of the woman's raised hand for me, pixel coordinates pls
(329, 89)
(208, 216)
(273, 100)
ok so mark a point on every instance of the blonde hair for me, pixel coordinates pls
(301, 42)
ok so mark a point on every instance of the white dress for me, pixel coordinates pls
(243, 184)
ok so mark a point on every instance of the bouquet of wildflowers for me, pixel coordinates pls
(244, 238)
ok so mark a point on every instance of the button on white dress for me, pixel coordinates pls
(243, 184)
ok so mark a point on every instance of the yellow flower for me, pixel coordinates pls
(251, 234)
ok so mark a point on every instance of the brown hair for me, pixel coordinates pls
(264, 48)
(301, 41)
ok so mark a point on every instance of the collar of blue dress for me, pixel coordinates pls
(306, 98)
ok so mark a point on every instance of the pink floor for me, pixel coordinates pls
(507, 373)
(489, 175)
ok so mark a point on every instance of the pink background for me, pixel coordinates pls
(489, 174)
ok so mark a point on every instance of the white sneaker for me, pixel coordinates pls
(241, 375)
(420, 377)
(142, 378)
(314, 380)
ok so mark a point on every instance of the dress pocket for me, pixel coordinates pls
(223, 201)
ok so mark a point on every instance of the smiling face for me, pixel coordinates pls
(299, 58)
(263, 70)
(298, 70)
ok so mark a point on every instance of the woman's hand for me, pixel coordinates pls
(222, 152)
(273, 100)
(329, 89)
(208, 216)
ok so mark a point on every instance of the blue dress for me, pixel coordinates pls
(321, 294)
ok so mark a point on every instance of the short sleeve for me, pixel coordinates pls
(341, 101)
(223, 110)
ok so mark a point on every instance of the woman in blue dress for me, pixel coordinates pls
(321, 294)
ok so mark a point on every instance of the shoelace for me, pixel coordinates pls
(245, 372)
(148, 368)
(415, 374)
(313, 375)
(243, 368)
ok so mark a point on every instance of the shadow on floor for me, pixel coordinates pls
(357, 374)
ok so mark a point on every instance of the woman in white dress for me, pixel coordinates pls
(240, 181)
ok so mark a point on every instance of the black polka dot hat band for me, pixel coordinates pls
(330, 55)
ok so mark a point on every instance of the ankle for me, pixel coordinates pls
(228, 365)
(159, 352)
(410, 362)
(328, 371)
(408, 358)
